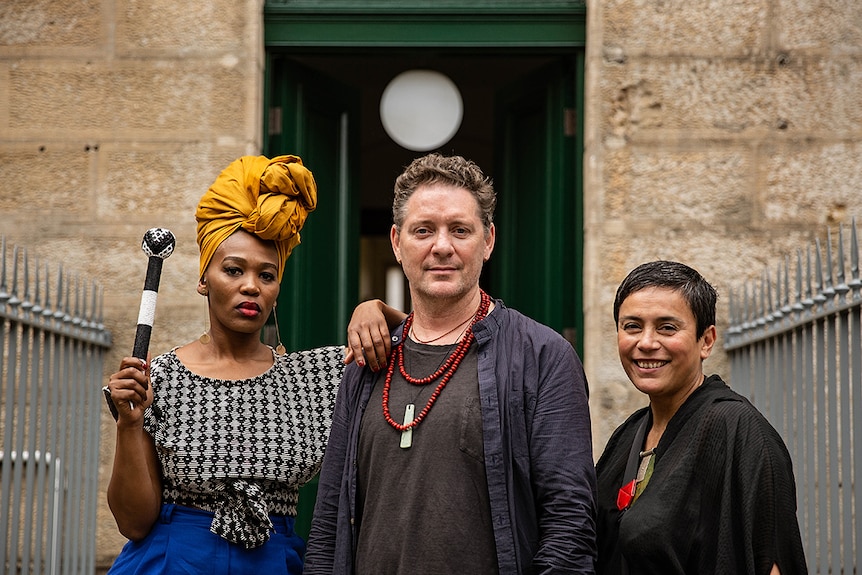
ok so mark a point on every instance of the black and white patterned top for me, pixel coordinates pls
(243, 448)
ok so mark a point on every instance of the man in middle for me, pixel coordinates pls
(471, 451)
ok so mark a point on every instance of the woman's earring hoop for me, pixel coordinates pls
(279, 349)
(205, 337)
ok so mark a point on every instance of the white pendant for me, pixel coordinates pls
(407, 434)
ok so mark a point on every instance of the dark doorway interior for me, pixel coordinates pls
(479, 77)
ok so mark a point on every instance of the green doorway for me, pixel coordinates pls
(519, 69)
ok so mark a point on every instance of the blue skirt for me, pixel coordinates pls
(181, 542)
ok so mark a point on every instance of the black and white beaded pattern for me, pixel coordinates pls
(158, 244)
(242, 448)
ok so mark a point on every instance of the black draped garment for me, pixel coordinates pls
(721, 499)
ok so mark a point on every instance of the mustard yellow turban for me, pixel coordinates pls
(268, 198)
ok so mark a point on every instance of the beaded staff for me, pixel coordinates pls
(158, 244)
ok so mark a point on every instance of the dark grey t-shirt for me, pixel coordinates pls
(425, 509)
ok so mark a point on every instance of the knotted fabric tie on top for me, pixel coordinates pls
(268, 198)
(244, 517)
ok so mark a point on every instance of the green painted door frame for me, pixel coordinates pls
(522, 24)
(501, 26)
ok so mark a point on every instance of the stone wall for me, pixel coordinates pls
(115, 116)
(721, 134)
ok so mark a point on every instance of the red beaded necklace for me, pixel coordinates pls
(447, 370)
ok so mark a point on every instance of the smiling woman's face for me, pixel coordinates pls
(658, 345)
(242, 283)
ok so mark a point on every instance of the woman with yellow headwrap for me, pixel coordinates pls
(215, 437)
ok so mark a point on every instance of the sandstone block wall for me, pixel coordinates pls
(115, 116)
(721, 134)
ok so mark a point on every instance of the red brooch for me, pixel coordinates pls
(626, 495)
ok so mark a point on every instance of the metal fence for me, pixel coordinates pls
(52, 346)
(795, 349)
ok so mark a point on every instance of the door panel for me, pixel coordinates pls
(320, 285)
(537, 261)
(319, 288)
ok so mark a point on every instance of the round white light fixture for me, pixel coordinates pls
(421, 109)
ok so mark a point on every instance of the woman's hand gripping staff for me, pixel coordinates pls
(158, 244)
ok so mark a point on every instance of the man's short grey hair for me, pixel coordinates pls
(449, 170)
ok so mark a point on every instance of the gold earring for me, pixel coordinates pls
(279, 349)
(205, 336)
